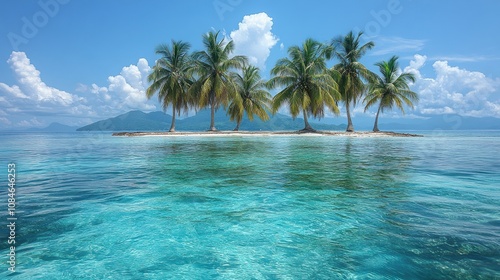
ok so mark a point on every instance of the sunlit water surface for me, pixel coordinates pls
(92, 206)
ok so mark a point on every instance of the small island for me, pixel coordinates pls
(215, 77)
(270, 133)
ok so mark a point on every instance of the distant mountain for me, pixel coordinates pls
(430, 122)
(54, 127)
(133, 120)
(159, 121)
(58, 127)
(457, 122)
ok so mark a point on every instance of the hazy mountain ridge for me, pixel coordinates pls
(53, 127)
(430, 122)
(159, 121)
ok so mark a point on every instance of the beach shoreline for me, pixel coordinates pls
(224, 133)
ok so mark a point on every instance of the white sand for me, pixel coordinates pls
(265, 134)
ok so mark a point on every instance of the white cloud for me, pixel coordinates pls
(29, 98)
(461, 58)
(97, 90)
(33, 122)
(129, 87)
(454, 90)
(390, 45)
(31, 85)
(124, 92)
(415, 65)
(5, 121)
(254, 38)
(14, 90)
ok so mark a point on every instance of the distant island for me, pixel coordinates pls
(229, 93)
(159, 121)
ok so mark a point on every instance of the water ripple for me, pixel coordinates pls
(259, 208)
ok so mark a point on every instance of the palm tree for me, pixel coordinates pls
(352, 73)
(171, 77)
(214, 86)
(308, 85)
(391, 89)
(251, 97)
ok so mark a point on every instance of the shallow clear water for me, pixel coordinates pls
(92, 206)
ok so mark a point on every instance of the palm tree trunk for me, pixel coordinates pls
(306, 122)
(212, 115)
(350, 127)
(172, 126)
(237, 128)
(375, 126)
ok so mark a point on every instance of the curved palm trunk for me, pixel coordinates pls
(237, 128)
(172, 126)
(306, 123)
(375, 126)
(350, 127)
(212, 115)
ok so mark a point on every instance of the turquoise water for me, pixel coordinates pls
(92, 206)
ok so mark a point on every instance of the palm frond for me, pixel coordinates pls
(391, 89)
(171, 76)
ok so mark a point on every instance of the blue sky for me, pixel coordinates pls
(75, 61)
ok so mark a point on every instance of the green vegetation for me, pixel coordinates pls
(352, 72)
(171, 78)
(215, 85)
(308, 85)
(250, 98)
(157, 121)
(390, 89)
(216, 77)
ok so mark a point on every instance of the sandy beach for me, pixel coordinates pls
(267, 133)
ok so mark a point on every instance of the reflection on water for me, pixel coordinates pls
(258, 207)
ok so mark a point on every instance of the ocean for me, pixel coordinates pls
(93, 206)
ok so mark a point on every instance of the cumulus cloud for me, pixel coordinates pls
(124, 92)
(98, 90)
(129, 87)
(254, 38)
(415, 65)
(31, 85)
(30, 97)
(454, 90)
